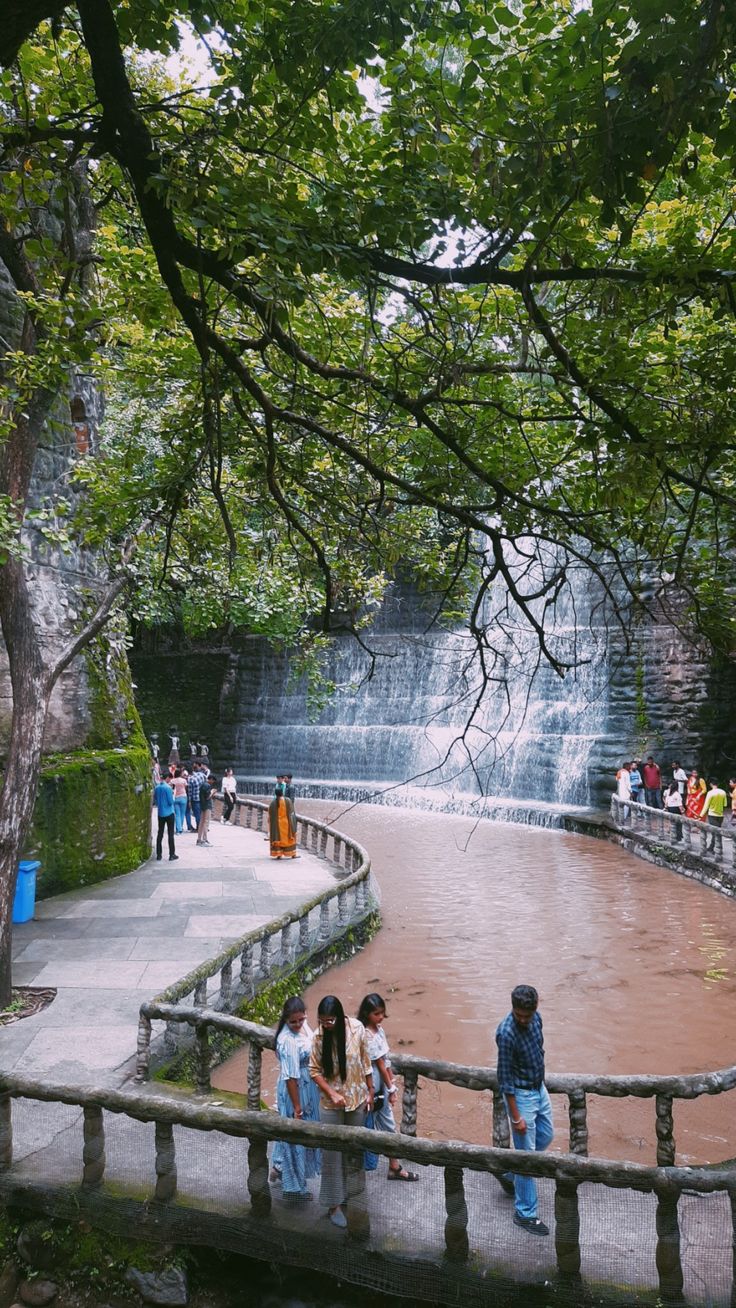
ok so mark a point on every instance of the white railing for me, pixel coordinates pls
(714, 844)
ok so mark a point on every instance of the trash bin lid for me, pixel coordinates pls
(28, 865)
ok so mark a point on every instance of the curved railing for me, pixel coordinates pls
(280, 944)
(682, 834)
(568, 1171)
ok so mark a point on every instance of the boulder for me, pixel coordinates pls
(168, 1287)
(38, 1293)
(9, 1278)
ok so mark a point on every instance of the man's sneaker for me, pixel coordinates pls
(531, 1224)
(173, 858)
(506, 1185)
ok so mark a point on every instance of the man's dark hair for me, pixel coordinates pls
(525, 998)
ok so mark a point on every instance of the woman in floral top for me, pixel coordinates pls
(340, 1066)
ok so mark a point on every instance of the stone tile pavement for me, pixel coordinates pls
(109, 947)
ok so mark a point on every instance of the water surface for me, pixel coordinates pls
(634, 965)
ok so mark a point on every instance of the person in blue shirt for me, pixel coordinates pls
(520, 1073)
(163, 798)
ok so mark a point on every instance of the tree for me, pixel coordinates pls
(456, 278)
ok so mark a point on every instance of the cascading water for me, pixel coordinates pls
(403, 734)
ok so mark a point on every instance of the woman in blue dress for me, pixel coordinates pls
(296, 1096)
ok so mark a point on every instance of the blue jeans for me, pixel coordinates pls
(653, 796)
(535, 1107)
(196, 812)
(180, 808)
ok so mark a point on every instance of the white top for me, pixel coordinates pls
(623, 784)
(377, 1043)
(230, 785)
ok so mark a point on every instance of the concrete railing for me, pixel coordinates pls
(167, 1111)
(264, 953)
(691, 835)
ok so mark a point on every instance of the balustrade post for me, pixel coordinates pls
(143, 1057)
(687, 834)
(578, 1118)
(567, 1228)
(226, 986)
(703, 841)
(409, 1104)
(249, 815)
(304, 933)
(324, 920)
(265, 956)
(165, 1163)
(304, 833)
(343, 916)
(456, 1221)
(347, 857)
(171, 1038)
(501, 1130)
(202, 1068)
(323, 844)
(200, 993)
(93, 1150)
(6, 1133)
(669, 1264)
(258, 1187)
(255, 1064)
(733, 851)
(361, 896)
(314, 834)
(359, 1222)
(661, 822)
(664, 1126)
(259, 823)
(287, 948)
(246, 971)
(336, 849)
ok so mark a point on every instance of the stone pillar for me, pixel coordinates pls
(93, 1152)
(456, 1221)
(143, 1059)
(578, 1118)
(165, 1163)
(202, 1070)
(669, 1265)
(664, 1127)
(567, 1228)
(409, 1104)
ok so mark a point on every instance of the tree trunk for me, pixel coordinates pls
(31, 695)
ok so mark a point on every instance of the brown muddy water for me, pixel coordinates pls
(635, 967)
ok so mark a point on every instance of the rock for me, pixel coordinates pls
(37, 1246)
(9, 1278)
(167, 1287)
(38, 1293)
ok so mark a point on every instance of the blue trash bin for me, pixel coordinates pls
(25, 891)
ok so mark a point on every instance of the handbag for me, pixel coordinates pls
(370, 1161)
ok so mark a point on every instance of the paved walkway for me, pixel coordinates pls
(107, 948)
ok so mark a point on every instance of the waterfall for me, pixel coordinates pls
(403, 733)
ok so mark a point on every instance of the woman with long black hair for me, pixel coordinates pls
(340, 1066)
(296, 1096)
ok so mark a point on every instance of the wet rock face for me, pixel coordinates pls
(59, 579)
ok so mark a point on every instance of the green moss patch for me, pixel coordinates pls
(92, 818)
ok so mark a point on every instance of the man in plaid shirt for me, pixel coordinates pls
(193, 784)
(520, 1074)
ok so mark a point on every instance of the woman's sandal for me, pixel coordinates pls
(402, 1174)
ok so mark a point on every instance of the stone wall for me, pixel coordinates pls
(92, 815)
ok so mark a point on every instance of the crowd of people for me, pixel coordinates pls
(339, 1074)
(183, 798)
(687, 794)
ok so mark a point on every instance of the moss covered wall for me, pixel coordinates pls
(92, 818)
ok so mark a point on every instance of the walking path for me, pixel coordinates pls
(109, 947)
